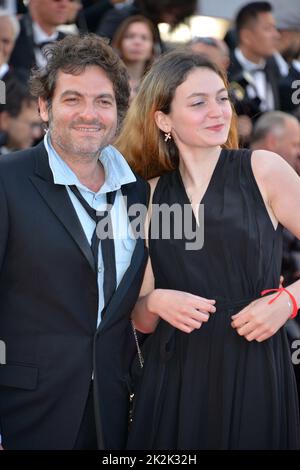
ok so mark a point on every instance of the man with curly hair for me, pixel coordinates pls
(65, 298)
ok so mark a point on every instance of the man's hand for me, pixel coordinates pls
(1, 448)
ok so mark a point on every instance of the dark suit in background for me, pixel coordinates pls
(248, 105)
(23, 58)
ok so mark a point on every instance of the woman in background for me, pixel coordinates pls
(134, 42)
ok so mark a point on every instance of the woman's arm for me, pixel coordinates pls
(143, 318)
(183, 310)
(280, 188)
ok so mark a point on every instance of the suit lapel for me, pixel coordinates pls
(56, 197)
(272, 77)
(114, 310)
(28, 38)
(138, 257)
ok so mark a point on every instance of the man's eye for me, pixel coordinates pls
(104, 102)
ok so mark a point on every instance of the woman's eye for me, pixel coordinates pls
(198, 103)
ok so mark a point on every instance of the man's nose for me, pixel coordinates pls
(89, 111)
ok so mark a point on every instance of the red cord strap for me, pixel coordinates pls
(280, 290)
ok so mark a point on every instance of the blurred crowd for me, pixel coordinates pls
(260, 54)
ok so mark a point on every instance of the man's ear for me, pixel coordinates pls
(43, 108)
(4, 121)
(246, 36)
(271, 142)
(162, 121)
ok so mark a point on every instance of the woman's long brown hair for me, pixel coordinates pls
(141, 141)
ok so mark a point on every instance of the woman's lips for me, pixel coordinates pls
(216, 128)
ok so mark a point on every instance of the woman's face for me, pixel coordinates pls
(137, 43)
(200, 111)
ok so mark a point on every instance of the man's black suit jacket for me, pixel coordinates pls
(48, 314)
(23, 58)
(289, 91)
(272, 75)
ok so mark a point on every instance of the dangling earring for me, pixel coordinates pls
(167, 136)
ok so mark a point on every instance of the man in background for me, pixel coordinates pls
(38, 29)
(252, 66)
(9, 31)
(19, 118)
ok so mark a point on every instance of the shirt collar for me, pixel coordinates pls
(117, 170)
(296, 65)
(247, 64)
(40, 35)
(4, 150)
(4, 68)
(282, 64)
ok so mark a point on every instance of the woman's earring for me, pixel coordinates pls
(167, 136)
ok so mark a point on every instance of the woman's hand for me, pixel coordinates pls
(281, 281)
(260, 320)
(182, 310)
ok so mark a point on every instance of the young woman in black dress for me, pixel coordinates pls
(218, 371)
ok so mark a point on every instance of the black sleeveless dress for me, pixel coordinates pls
(212, 389)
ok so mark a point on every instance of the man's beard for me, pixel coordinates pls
(76, 149)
